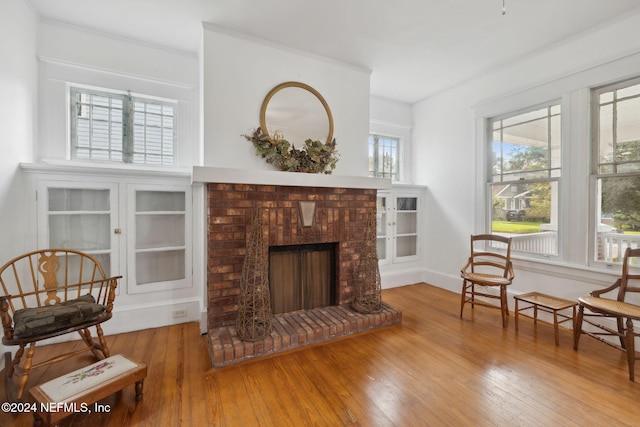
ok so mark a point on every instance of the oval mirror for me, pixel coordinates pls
(297, 112)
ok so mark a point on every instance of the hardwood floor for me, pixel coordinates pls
(433, 369)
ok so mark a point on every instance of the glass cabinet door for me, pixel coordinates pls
(406, 226)
(160, 239)
(80, 217)
(382, 220)
(397, 226)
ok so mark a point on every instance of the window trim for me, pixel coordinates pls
(594, 105)
(489, 137)
(576, 214)
(596, 175)
(128, 120)
(487, 123)
(400, 156)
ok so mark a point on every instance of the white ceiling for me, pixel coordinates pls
(414, 48)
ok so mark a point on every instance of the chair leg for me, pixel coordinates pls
(100, 351)
(631, 353)
(464, 296)
(504, 308)
(88, 341)
(473, 294)
(506, 301)
(23, 376)
(577, 327)
(16, 361)
(621, 332)
(103, 341)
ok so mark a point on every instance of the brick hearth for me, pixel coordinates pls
(297, 329)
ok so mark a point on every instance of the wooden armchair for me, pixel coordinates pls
(603, 313)
(487, 270)
(48, 293)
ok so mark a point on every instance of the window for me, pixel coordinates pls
(121, 127)
(524, 172)
(384, 157)
(616, 138)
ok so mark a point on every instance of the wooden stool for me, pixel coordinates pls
(549, 304)
(77, 391)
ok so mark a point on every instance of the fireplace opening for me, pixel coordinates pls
(302, 277)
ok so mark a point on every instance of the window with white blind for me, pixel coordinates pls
(384, 157)
(122, 127)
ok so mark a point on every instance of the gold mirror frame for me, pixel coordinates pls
(281, 86)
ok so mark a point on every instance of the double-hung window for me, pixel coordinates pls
(122, 127)
(385, 153)
(524, 169)
(616, 169)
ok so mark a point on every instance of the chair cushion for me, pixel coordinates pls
(30, 322)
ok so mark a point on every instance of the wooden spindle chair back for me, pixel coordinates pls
(48, 293)
(487, 267)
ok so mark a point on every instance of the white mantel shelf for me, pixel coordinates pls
(296, 179)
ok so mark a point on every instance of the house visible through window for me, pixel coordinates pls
(384, 157)
(616, 138)
(121, 127)
(524, 172)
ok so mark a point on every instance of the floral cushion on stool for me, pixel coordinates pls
(69, 385)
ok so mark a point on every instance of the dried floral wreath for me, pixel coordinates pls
(315, 157)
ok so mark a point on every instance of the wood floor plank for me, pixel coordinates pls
(234, 389)
(332, 374)
(285, 395)
(433, 369)
(313, 407)
(195, 366)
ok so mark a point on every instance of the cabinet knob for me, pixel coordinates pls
(118, 231)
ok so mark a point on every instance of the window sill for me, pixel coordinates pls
(105, 169)
(406, 185)
(597, 276)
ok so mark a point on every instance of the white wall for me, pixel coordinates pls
(74, 55)
(18, 114)
(48, 57)
(237, 74)
(394, 118)
(449, 153)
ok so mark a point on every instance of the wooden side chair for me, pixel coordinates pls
(613, 317)
(487, 269)
(47, 293)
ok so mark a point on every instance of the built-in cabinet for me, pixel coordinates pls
(137, 228)
(140, 225)
(398, 226)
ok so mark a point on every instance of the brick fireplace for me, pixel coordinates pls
(340, 218)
